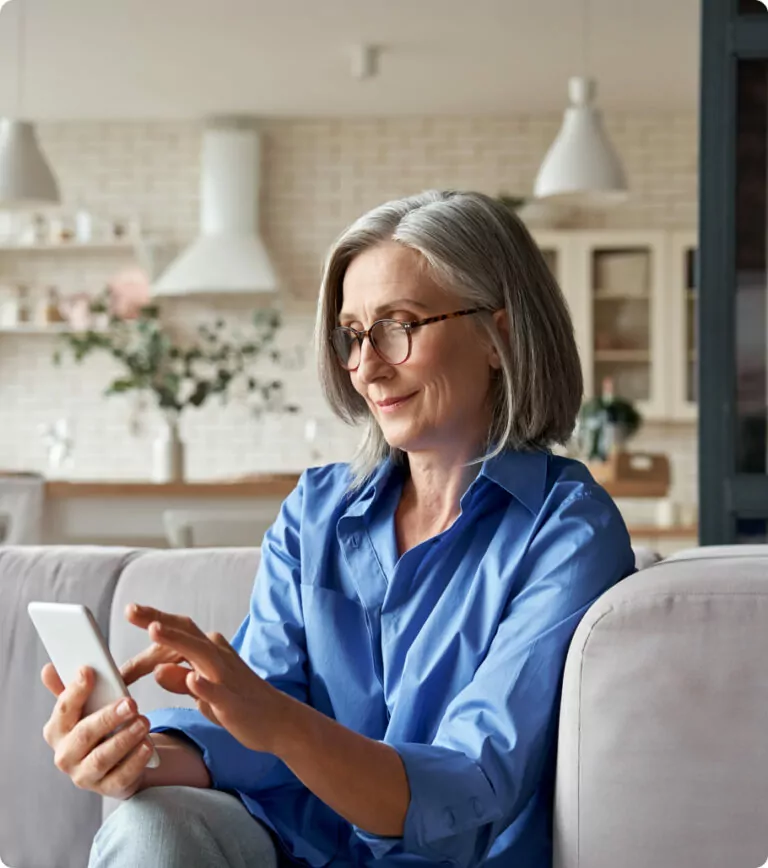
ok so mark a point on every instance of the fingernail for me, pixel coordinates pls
(124, 709)
(83, 676)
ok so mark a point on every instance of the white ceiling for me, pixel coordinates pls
(189, 58)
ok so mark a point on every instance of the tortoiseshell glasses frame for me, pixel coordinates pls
(344, 339)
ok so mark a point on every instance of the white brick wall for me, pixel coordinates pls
(318, 176)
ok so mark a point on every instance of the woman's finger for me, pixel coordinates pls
(205, 709)
(143, 616)
(199, 651)
(124, 776)
(206, 694)
(172, 677)
(69, 706)
(90, 731)
(50, 678)
(145, 661)
(104, 753)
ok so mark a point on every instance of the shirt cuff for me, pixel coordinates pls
(230, 764)
(450, 798)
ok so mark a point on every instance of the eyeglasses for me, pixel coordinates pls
(390, 338)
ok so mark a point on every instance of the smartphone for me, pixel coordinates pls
(73, 639)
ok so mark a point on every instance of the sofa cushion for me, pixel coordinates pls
(32, 791)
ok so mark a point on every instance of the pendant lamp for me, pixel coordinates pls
(581, 166)
(26, 179)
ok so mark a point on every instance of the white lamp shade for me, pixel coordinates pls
(26, 179)
(581, 165)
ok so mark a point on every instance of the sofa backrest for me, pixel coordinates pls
(663, 741)
(45, 822)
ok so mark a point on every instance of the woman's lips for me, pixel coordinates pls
(390, 405)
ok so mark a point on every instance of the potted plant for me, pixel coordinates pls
(177, 374)
(605, 424)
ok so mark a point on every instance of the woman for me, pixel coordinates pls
(391, 698)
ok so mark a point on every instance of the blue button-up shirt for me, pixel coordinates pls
(452, 653)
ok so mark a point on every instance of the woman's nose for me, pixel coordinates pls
(372, 367)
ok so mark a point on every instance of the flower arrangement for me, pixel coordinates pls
(181, 374)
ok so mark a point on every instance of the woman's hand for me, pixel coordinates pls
(227, 691)
(111, 765)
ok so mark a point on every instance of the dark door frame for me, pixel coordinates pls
(724, 494)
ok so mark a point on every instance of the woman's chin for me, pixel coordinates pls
(398, 436)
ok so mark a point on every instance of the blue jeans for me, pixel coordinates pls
(182, 827)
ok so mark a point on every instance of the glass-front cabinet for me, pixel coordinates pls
(622, 278)
(632, 299)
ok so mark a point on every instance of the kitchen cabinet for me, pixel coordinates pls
(632, 299)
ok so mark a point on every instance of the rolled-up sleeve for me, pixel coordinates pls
(271, 640)
(488, 755)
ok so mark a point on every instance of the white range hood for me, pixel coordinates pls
(228, 257)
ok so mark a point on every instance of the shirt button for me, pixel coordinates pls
(477, 806)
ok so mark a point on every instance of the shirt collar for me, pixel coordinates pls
(522, 474)
(361, 500)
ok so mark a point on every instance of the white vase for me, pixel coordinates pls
(168, 452)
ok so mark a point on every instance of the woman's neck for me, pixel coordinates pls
(435, 486)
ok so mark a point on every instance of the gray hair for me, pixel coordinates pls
(478, 249)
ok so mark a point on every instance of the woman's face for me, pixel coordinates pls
(442, 389)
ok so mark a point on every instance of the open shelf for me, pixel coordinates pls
(71, 246)
(32, 329)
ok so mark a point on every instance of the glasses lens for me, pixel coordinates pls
(346, 347)
(390, 338)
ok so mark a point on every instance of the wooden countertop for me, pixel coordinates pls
(258, 485)
(651, 530)
(275, 485)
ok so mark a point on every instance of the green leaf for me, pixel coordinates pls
(117, 387)
(200, 393)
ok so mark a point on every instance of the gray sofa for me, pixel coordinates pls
(663, 742)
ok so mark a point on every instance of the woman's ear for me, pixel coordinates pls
(501, 320)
